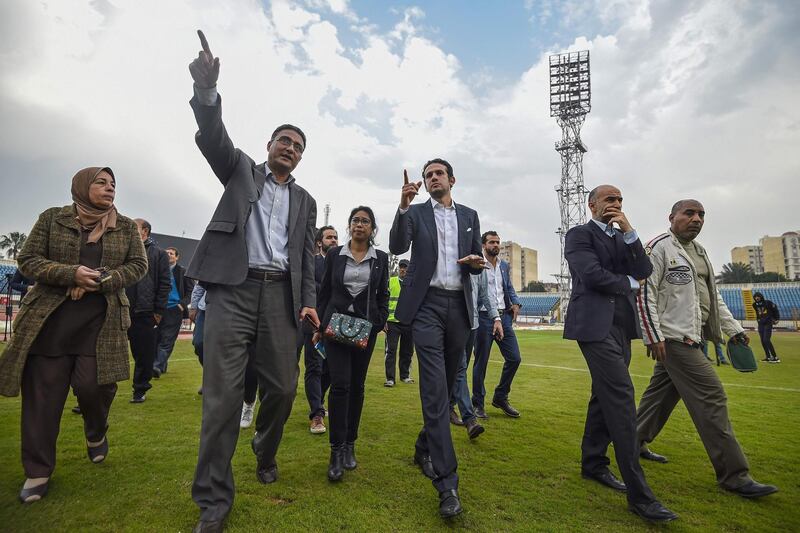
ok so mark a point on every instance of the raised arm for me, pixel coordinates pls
(212, 137)
(400, 235)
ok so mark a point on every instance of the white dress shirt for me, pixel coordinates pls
(495, 278)
(448, 271)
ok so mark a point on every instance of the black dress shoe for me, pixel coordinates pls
(449, 504)
(76, 409)
(480, 412)
(754, 489)
(97, 454)
(652, 512)
(474, 429)
(336, 464)
(606, 478)
(33, 494)
(504, 406)
(267, 474)
(425, 463)
(209, 526)
(454, 419)
(350, 456)
(645, 453)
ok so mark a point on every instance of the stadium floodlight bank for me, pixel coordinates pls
(570, 102)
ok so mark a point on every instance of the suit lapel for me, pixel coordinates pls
(294, 208)
(429, 221)
(603, 237)
(463, 234)
(260, 177)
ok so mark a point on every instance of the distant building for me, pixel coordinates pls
(185, 246)
(772, 254)
(749, 255)
(523, 263)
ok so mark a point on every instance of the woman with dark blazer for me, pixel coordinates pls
(356, 283)
(71, 327)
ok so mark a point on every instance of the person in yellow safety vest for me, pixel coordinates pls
(395, 331)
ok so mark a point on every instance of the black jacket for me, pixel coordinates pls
(185, 286)
(335, 298)
(20, 283)
(766, 311)
(149, 295)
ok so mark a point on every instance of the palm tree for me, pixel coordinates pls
(737, 273)
(13, 243)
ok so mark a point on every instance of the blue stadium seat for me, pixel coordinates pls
(538, 304)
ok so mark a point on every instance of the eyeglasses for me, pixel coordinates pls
(286, 141)
(360, 221)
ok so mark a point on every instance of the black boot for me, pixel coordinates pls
(336, 466)
(350, 456)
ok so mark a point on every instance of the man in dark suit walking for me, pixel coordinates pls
(256, 260)
(436, 301)
(607, 266)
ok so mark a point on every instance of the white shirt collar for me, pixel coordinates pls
(371, 253)
(435, 203)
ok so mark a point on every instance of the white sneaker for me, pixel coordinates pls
(409, 379)
(247, 415)
(388, 383)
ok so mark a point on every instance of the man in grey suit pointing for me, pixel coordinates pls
(256, 261)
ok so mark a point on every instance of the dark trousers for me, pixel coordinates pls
(509, 348)
(168, 330)
(142, 336)
(440, 328)
(258, 314)
(398, 333)
(317, 378)
(197, 336)
(460, 393)
(348, 369)
(611, 416)
(686, 375)
(765, 333)
(45, 385)
(250, 382)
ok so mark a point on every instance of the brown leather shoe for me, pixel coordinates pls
(317, 426)
(455, 419)
(474, 429)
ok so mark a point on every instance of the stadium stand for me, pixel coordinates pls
(4, 270)
(785, 296)
(539, 304)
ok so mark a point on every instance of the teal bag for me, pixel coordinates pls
(741, 356)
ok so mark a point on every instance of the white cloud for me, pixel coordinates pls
(687, 101)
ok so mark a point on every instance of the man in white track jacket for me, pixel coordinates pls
(679, 307)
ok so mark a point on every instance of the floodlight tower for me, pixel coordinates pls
(570, 102)
(327, 214)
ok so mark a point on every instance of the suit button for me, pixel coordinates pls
(611, 300)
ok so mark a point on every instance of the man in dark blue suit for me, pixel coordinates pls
(436, 300)
(504, 298)
(607, 266)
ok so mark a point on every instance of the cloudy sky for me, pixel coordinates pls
(689, 99)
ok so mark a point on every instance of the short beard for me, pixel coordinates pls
(326, 248)
(494, 253)
(438, 194)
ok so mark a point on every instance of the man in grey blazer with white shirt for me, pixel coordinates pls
(256, 261)
(436, 300)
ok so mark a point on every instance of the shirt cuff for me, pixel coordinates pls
(206, 96)
(403, 211)
(634, 283)
(629, 237)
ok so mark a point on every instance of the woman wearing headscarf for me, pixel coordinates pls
(355, 284)
(71, 327)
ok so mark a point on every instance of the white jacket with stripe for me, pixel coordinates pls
(668, 305)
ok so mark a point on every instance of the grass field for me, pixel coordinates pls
(521, 475)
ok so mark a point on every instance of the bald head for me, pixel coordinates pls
(604, 201)
(687, 218)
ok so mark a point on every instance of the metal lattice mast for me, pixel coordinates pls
(327, 214)
(570, 102)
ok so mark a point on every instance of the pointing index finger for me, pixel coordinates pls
(405, 177)
(204, 44)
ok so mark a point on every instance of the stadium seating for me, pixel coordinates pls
(786, 298)
(6, 269)
(539, 304)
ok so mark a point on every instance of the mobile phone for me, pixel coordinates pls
(320, 348)
(104, 274)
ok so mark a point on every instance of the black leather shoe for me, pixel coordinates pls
(754, 489)
(209, 526)
(33, 494)
(645, 453)
(504, 406)
(606, 478)
(449, 504)
(652, 512)
(474, 429)
(454, 419)
(425, 463)
(480, 412)
(350, 456)
(336, 464)
(97, 454)
(267, 474)
(76, 410)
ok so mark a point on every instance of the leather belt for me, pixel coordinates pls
(446, 292)
(267, 275)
